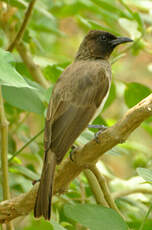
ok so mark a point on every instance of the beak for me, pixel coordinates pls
(120, 40)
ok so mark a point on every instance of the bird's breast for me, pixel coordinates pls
(99, 109)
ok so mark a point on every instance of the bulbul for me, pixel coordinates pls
(78, 96)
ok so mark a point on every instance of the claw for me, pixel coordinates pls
(35, 181)
(101, 129)
(72, 152)
(96, 136)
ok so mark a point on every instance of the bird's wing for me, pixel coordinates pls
(73, 103)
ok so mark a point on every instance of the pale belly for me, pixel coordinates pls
(98, 111)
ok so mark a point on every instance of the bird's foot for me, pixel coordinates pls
(73, 152)
(101, 128)
(35, 181)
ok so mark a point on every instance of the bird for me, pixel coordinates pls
(77, 98)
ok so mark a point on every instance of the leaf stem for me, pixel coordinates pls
(25, 145)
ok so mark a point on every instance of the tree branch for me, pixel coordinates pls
(95, 187)
(131, 191)
(33, 68)
(4, 154)
(104, 187)
(90, 153)
(23, 27)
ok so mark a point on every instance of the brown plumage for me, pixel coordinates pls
(76, 97)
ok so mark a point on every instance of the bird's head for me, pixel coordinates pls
(99, 44)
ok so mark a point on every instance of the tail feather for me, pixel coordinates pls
(44, 195)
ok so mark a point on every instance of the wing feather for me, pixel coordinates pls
(73, 103)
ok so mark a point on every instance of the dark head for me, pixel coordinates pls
(99, 44)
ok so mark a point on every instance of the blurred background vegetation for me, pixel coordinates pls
(51, 40)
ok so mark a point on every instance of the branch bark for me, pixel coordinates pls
(95, 187)
(104, 187)
(89, 154)
(4, 154)
(33, 68)
(23, 27)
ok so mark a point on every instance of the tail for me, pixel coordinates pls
(44, 195)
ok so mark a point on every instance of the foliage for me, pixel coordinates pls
(52, 36)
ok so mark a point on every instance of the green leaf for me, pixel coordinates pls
(146, 174)
(131, 26)
(23, 98)
(24, 171)
(147, 127)
(111, 97)
(134, 93)
(11, 144)
(142, 5)
(95, 216)
(8, 74)
(23, 70)
(17, 3)
(52, 72)
(42, 24)
(138, 46)
(42, 224)
(111, 8)
(56, 226)
(38, 90)
(139, 20)
(91, 24)
(39, 225)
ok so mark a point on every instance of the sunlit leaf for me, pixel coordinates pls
(146, 174)
(24, 171)
(135, 92)
(111, 7)
(131, 27)
(23, 98)
(17, 3)
(52, 72)
(95, 216)
(8, 74)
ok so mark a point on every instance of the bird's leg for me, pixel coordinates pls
(101, 128)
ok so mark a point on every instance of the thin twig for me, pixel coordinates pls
(95, 187)
(104, 187)
(25, 145)
(82, 189)
(128, 192)
(33, 68)
(23, 27)
(4, 154)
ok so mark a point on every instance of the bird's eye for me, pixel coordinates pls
(103, 38)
